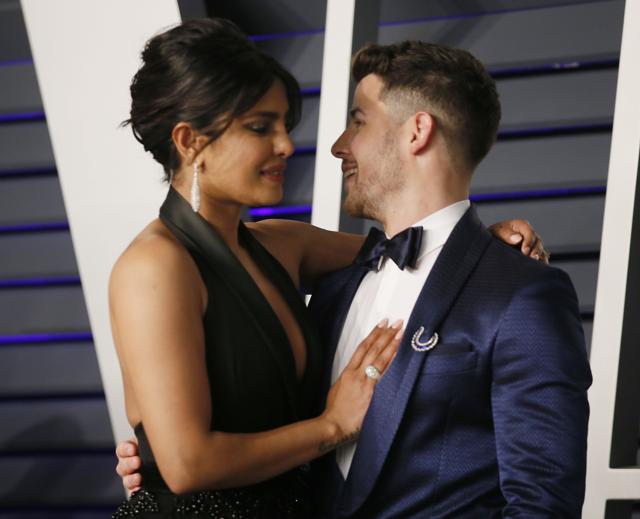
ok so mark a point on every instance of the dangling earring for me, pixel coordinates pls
(195, 189)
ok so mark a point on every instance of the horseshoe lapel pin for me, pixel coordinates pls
(421, 345)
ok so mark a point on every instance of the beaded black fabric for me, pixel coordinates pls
(139, 502)
(241, 503)
(287, 502)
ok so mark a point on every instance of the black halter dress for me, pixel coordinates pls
(251, 373)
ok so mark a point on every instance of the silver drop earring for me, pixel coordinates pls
(195, 189)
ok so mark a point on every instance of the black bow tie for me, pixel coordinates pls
(403, 248)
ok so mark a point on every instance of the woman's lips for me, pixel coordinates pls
(274, 174)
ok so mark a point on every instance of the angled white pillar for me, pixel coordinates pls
(334, 104)
(86, 53)
(604, 482)
(349, 24)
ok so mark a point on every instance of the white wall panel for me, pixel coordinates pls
(604, 482)
(333, 108)
(111, 187)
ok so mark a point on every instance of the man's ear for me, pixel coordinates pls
(422, 128)
(188, 142)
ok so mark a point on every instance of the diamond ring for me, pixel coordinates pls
(372, 372)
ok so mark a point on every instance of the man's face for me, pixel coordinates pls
(368, 148)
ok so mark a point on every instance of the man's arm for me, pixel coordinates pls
(539, 396)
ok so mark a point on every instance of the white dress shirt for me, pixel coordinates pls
(391, 293)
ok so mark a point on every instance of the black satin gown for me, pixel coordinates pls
(251, 373)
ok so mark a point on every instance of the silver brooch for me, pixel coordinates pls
(419, 345)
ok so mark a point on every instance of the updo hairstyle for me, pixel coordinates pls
(204, 72)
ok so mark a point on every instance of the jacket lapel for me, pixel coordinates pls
(457, 260)
(198, 236)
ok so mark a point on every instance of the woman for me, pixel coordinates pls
(220, 366)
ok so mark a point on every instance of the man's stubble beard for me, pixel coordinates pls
(369, 194)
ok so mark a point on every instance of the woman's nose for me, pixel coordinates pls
(284, 145)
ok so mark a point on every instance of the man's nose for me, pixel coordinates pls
(340, 147)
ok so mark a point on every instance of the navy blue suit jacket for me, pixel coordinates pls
(490, 423)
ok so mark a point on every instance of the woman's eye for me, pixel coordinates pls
(260, 129)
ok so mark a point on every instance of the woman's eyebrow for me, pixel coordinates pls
(266, 114)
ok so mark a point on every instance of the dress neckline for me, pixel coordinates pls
(200, 238)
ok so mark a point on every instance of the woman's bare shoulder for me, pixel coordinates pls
(153, 247)
(154, 256)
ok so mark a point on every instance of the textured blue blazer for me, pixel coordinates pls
(492, 422)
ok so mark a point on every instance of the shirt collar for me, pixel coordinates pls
(438, 226)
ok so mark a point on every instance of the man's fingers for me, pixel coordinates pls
(132, 482)
(126, 449)
(134, 463)
(127, 466)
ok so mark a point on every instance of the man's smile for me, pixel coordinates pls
(349, 170)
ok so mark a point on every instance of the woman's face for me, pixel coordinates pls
(246, 163)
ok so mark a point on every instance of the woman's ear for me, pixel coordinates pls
(183, 139)
(422, 128)
(188, 142)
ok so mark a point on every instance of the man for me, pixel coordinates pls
(483, 413)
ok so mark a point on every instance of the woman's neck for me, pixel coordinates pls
(224, 217)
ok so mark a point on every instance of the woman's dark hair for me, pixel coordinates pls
(203, 72)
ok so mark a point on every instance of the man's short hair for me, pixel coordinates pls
(450, 84)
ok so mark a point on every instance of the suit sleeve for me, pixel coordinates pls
(539, 398)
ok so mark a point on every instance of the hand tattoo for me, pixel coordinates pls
(325, 447)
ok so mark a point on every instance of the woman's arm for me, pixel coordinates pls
(305, 250)
(521, 234)
(156, 314)
(308, 252)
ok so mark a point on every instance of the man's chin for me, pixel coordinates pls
(355, 209)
